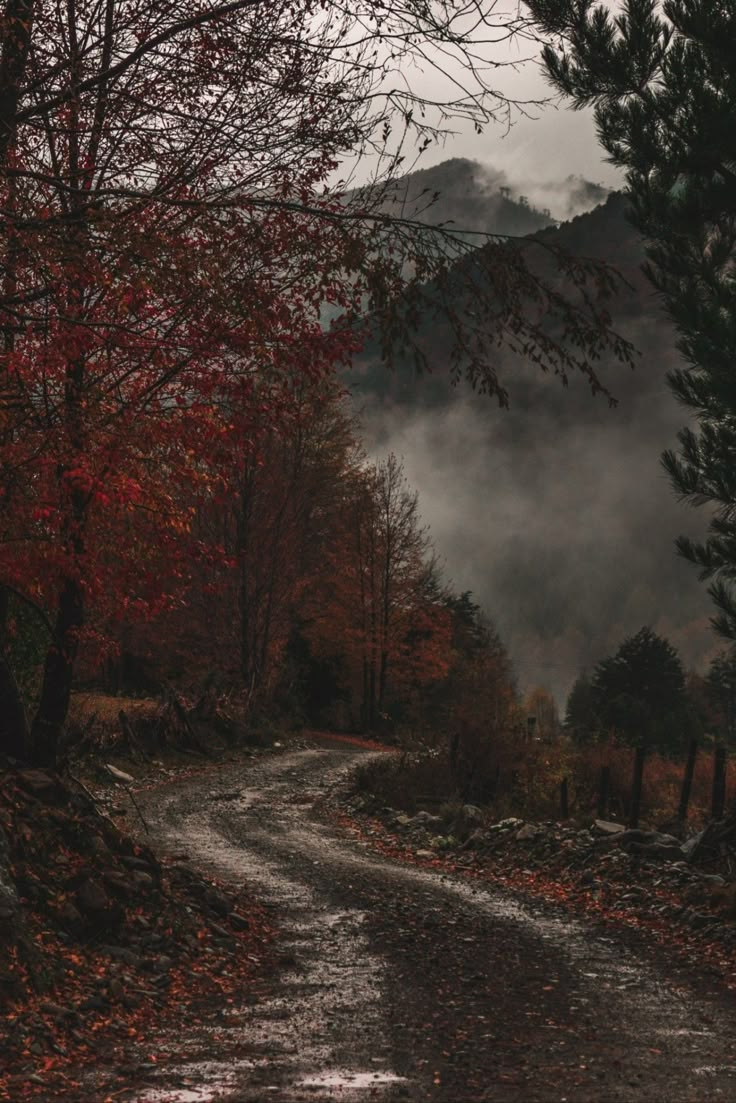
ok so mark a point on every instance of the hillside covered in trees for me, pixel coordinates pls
(573, 547)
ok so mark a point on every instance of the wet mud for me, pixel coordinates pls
(397, 983)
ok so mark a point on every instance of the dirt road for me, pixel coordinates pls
(400, 984)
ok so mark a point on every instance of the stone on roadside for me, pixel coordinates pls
(607, 827)
(239, 922)
(119, 775)
(426, 820)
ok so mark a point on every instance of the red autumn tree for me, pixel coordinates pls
(162, 180)
(378, 604)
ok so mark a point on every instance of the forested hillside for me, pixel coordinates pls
(555, 512)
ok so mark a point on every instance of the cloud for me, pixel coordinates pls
(556, 514)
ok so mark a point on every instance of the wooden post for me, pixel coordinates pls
(687, 781)
(636, 786)
(719, 783)
(604, 788)
(564, 807)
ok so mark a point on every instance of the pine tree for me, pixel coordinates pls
(581, 720)
(720, 682)
(664, 93)
(640, 693)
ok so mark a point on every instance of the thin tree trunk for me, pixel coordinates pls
(56, 689)
(243, 526)
(14, 735)
(17, 21)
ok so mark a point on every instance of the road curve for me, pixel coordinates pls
(402, 984)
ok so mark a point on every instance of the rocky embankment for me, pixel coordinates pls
(647, 879)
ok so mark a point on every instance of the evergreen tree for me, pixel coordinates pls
(720, 684)
(640, 693)
(664, 93)
(581, 720)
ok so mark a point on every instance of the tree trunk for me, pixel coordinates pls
(382, 679)
(56, 689)
(14, 735)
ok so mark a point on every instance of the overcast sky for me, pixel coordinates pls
(551, 144)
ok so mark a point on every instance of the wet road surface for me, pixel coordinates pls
(402, 984)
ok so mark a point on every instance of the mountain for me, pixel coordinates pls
(555, 513)
(465, 195)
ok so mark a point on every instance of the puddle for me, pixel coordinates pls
(350, 1081)
(198, 1082)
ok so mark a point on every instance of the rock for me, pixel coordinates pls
(42, 785)
(607, 827)
(472, 816)
(723, 897)
(424, 854)
(218, 902)
(697, 921)
(425, 819)
(116, 988)
(70, 917)
(528, 833)
(58, 1011)
(475, 840)
(660, 852)
(220, 932)
(97, 845)
(402, 820)
(690, 844)
(130, 861)
(141, 879)
(505, 825)
(119, 885)
(634, 838)
(119, 775)
(123, 954)
(92, 898)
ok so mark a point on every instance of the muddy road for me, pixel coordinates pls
(397, 983)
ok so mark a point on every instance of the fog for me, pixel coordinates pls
(556, 513)
(567, 542)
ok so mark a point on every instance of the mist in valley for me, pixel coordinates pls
(556, 512)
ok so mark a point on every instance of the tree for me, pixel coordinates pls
(640, 693)
(541, 705)
(390, 550)
(581, 721)
(664, 92)
(163, 185)
(720, 685)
